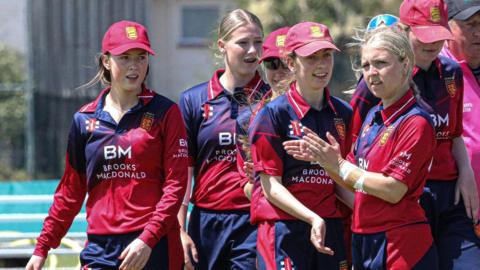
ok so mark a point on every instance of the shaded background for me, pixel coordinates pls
(48, 49)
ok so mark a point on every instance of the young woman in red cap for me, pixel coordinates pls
(299, 223)
(389, 163)
(450, 199)
(128, 153)
(220, 235)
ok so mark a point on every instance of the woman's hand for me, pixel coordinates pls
(317, 236)
(188, 248)
(466, 188)
(312, 148)
(248, 168)
(35, 263)
(135, 255)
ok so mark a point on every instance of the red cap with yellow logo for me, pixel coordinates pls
(125, 35)
(274, 44)
(428, 19)
(306, 38)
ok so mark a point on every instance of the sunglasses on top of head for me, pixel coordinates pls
(274, 63)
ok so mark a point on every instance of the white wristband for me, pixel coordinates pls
(346, 169)
(358, 186)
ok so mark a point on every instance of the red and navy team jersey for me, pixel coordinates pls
(210, 114)
(441, 87)
(281, 120)
(399, 142)
(134, 172)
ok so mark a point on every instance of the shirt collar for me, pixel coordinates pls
(395, 110)
(215, 88)
(437, 65)
(145, 97)
(300, 106)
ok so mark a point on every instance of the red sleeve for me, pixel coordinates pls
(412, 151)
(264, 140)
(68, 198)
(175, 159)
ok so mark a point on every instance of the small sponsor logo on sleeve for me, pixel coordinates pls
(296, 128)
(92, 124)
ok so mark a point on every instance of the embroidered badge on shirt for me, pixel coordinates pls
(92, 124)
(207, 111)
(451, 87)
(147, 121)
(296, 128)
(340, 126)
(386, 135)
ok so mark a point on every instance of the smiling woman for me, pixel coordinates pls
(124, 152)
(389, 163)
(294, 202)
(220, 235)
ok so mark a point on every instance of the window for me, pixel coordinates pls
(197, 25)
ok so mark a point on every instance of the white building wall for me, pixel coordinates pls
(177, 67)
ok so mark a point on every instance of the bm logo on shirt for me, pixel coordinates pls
(116, 151)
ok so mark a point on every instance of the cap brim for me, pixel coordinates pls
(466, 14)
(269, 54)
(431, 33)
(129, 46)
(315, 46)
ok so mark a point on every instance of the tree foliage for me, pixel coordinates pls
(12, 114)
(341, 16)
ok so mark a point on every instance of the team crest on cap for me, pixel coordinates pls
(315, 31)
(340, 126)
(92, 124)
(343, 265)
(386, 135)
(296, 128)
(147, 121)
(131, 32)
(280, 41)
(451, 87)
(435, 14)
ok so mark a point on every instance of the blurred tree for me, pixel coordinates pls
(12, 114)
(342, 17)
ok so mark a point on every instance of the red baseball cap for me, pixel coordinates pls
(274, 44)
(307, 38)
(428, 19)
(125, 35)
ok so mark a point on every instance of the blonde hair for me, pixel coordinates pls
(392, 39)
(231, 22)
